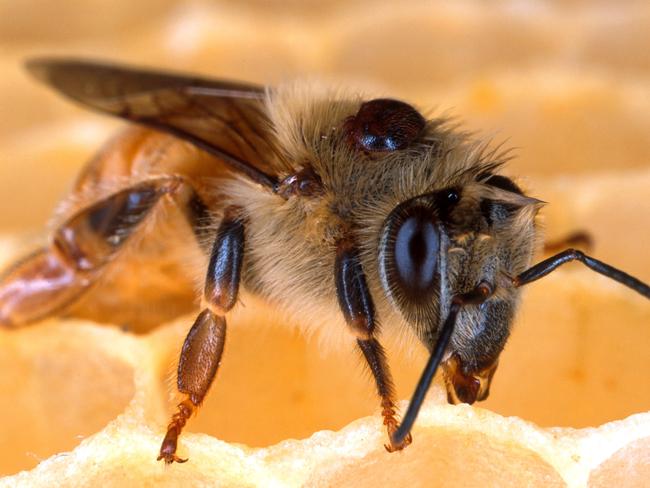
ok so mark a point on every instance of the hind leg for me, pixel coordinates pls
(49, 281)
(203, 346)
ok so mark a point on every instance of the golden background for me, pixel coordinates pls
(565, 83)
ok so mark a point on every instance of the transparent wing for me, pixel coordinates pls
(225, 118)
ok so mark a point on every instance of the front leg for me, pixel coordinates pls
(359, 312)
(203, 347)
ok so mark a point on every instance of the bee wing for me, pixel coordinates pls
(224, 118)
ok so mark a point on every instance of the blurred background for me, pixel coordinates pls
(567, 83)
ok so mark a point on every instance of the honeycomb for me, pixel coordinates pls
(85, 403)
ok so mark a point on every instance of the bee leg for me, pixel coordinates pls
(203, 346)
(376, 359)
(475, 297)
(54, 277)
(548, 265)
(359, 312)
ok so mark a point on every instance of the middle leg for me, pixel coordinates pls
(359, 312)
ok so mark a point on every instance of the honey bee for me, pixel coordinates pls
(348, 213)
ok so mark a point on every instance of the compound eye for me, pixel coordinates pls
(384, 125)
(415, 254)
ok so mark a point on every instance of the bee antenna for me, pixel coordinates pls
(481, 293)
(548, 265)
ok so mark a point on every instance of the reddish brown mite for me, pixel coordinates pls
(354, 215)
(384, 125)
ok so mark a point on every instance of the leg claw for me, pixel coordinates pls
(171, 458)
(391, 427)
(398, 447)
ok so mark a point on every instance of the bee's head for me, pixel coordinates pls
(439, 245)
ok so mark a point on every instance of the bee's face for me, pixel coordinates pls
(443, 243)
